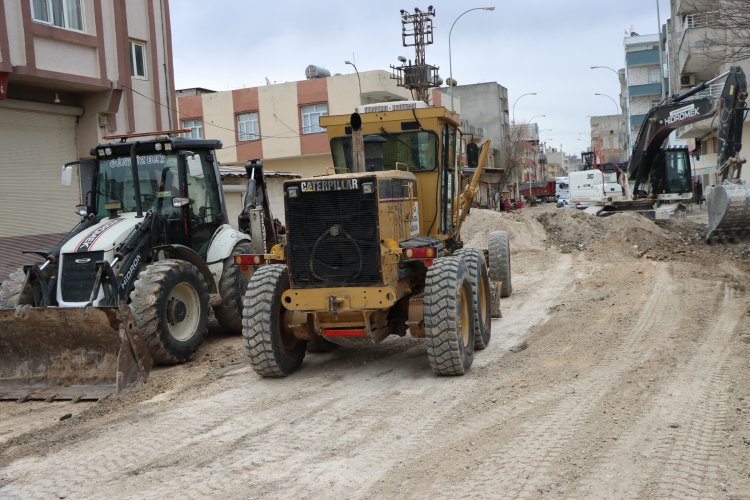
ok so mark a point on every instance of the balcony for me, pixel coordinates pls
(684, 7)
(700, 45)
(641, 90)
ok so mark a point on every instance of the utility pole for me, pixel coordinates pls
(416, 32)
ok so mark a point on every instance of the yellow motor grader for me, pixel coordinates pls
(375, 248)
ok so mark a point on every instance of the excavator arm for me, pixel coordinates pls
(663, 119)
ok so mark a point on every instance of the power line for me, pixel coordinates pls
(233, 129)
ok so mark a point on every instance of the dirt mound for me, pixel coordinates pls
(524, 230)
(627, 232)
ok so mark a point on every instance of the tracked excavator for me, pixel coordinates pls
(132, 283)
(664, 174)
(658, 180)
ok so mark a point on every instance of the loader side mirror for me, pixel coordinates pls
(66, 179)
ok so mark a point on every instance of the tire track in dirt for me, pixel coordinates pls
(239, 435)
(673, 450)
(522, 467)
(218, 440)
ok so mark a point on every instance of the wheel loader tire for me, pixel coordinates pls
(170, 307)
(273, 351)
(480, 295)
(448, 316)
(499, 257)
(10, 289)
(232, 287)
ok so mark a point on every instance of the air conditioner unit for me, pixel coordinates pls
(687, 80)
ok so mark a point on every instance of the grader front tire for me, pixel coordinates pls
(499, 257)
(480, 295)
(448, 317)
(273, 351)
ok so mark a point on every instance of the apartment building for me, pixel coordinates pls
(279, 123)
(698, 53)
(71, 72)
(607, 138)
(644, 80)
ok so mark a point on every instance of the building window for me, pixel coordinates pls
(138, 59)
(247, 127)
(654, 76)
(311, 118)
(60, 13)
(196, 127)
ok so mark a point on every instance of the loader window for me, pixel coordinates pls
(205, 207)
(418, 151)
(157, 179)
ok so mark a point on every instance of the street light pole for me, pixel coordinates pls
(607, 67)
(619, 131)
(450, 61)
(619, 127)
(513, 114)
(358, 80)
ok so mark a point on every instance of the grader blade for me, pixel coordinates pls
(52, 353)
(728, 211)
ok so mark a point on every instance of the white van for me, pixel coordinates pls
(592, 187)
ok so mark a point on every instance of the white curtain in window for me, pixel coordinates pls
(58, 14)
(75, 20)
(40, 12)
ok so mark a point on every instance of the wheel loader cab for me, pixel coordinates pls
(187, 198)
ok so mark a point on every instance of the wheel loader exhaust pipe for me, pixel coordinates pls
(52, 353)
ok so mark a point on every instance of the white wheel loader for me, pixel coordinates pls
(132, 283)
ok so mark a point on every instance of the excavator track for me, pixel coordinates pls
(728, 211)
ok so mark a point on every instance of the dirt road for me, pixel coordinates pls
(621, 368)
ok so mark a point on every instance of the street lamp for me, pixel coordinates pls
(450, 61)
(358, 80)
(607, 67)
(531, 120)
(514, 104)
(619, 130)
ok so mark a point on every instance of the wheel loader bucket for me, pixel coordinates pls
(53, 353)
(728, 211)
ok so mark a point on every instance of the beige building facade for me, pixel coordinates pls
(278, 123)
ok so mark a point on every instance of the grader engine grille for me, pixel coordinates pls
(78, 275)
(333, 237)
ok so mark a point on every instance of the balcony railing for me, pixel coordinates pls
(701, 20)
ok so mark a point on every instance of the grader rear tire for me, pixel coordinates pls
(480, 295)
(10, 289)
(232, 287)
(499, 257)
(273, 351)
(170, 305)
(448, 317)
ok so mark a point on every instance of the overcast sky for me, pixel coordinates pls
(542, 46)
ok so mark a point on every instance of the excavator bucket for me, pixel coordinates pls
(53, 353)
(728, 211)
